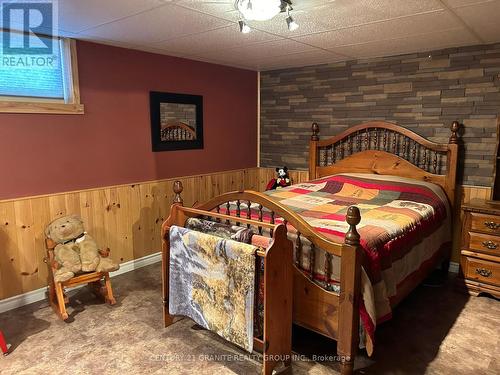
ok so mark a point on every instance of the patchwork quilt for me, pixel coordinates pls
(395, 212)
(212, 281)
(404, 223)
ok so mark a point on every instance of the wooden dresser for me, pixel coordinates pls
(480, 255)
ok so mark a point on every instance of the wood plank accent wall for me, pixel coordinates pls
(125, 218)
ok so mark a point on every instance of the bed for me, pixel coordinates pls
(371, 224)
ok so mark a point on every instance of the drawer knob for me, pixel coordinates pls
(491, 225)
(483, 272)
(490, 245)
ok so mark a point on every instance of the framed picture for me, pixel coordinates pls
(176, 121)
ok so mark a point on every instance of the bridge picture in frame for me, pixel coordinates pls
(176, 121)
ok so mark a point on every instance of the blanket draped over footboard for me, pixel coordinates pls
(212, 282)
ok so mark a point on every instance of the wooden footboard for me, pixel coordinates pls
(333, 315)
(276, 342)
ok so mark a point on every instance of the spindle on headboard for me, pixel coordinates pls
(381, 136)
(228, 211)
(238, 210)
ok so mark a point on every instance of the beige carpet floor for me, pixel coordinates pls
(434, 331)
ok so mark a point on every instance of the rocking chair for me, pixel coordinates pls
(57, 296)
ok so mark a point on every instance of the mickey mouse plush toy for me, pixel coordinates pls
(281, 181)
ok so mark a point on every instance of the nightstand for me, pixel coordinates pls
(480, 255)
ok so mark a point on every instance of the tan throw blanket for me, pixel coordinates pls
(212, 281)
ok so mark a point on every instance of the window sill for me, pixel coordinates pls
(41, 107)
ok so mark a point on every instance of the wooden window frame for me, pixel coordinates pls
(68, 106)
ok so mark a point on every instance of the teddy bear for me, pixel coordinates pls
(76, 251)
(281, 181)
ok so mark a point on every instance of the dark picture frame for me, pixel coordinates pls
(169, 133)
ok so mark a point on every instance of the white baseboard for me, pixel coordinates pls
(39, 294)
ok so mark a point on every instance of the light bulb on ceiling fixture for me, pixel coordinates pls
(244, 28)
(290, 22)
(292, 25)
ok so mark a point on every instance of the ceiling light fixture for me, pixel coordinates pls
(263, 10)
(244, 28)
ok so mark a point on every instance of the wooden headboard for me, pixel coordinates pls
(385, 148)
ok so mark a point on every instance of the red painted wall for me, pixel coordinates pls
(111, 143)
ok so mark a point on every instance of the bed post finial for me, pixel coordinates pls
(315, 132)
(455, 126)
(178, 190)
(353, 218)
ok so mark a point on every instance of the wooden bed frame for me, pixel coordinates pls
(375, 147)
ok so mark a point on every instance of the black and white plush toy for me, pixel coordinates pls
(281, 181)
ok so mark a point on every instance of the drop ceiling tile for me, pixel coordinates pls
(461, 3)
(316, 56)
(479, 13)
(256, 58)
(489, 32)
(308, 4)
(207, 29)
(298, 59)
(418, 43)
(312, 57)
(218, 8)
(157, 25)
(236, 64)
(407, 26)
(346, 13)
(78, 15)
(214, 40)
(269, 49)
(308, 23)
(483, 19)
(362, 11)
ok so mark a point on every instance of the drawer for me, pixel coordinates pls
(485, 243)
(482, 270)
(485, 223)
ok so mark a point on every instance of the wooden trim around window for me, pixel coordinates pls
(50, 106)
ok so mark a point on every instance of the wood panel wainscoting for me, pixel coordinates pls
(125, 218)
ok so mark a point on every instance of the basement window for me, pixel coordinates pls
(34, 81)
